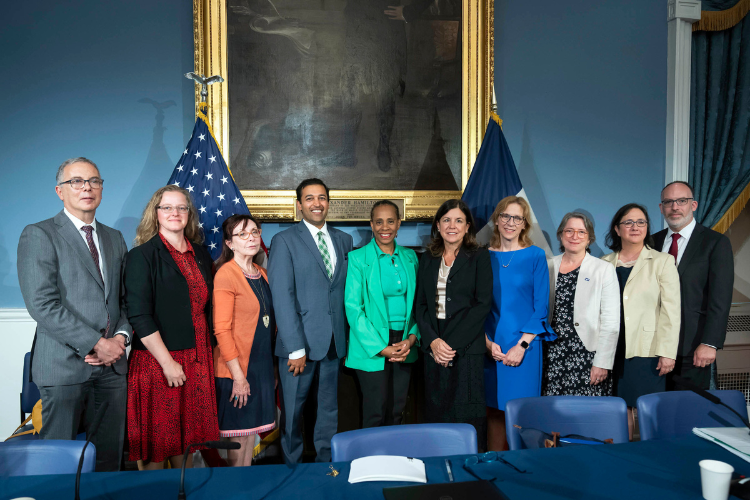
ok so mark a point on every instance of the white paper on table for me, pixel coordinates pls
(387, 468)
(733, 439)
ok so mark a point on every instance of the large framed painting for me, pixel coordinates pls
(378, 100)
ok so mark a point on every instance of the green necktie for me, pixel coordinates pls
(324, 253)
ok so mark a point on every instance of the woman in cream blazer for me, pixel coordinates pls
(650, 313)
(585, 314)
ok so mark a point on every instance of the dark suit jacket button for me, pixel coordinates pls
(103, 331)
(106, 302)
(448, 299)
(449, 281)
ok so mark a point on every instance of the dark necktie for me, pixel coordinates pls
(95, 255)
(673, 246)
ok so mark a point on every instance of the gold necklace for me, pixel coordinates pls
(266, 318)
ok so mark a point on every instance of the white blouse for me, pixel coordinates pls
(442, 284)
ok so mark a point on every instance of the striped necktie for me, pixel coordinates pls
(323, 248)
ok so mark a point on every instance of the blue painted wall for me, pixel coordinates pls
(79, 70)
(581, 86)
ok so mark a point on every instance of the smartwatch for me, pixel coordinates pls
(524, 344)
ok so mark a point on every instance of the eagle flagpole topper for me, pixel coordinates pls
(204, 82)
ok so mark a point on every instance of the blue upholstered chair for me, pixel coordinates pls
(418, 440)
(29, 391)
(29, 396)
(672, 414)
(597, 417)
(31, 458)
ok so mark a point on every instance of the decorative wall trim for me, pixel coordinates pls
(16, 315)
(680, 18)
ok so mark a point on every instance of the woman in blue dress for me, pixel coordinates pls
(518, 319)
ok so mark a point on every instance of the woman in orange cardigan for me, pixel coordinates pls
(244, 327)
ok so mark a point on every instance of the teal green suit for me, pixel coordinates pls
(365, 307)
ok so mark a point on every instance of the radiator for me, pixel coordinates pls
(733, 362)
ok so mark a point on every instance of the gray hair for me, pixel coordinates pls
(80, 159)
(586, 222)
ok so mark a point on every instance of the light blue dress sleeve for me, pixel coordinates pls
(537, 324)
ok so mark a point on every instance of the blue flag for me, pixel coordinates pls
(494, 177)
(204, 173)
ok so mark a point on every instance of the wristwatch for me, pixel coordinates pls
(524, 344)
(127, 339)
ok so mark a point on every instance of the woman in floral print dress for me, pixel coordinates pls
(586, 316)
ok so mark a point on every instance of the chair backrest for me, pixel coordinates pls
(47, 456)
(414, 440)
(29, 391)
(590, 416)
(672, 414)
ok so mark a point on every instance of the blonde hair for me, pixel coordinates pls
(149, 225)
(523, 237)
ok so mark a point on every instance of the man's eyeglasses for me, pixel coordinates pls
(244, 235)
(680, 202)
(505, 218)
(570, 232)
(168, 209)
(629, 223)
(78, 183)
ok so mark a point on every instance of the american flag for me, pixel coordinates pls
(203, 171)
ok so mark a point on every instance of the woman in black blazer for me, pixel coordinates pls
(454, 293)
(168, 288)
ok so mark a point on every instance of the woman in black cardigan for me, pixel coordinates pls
(168, 288)
(454, 293)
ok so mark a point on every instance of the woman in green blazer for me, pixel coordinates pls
(379, 298)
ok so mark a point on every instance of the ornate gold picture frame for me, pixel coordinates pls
(210, 58)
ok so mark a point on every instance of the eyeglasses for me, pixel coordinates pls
(680, 202)
(168, 209)
(629, 223)
(489, 457)
(244, 235)
(505, 218)
(570, 232)
(78, 183)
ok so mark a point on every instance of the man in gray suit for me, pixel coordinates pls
(307, 271)
(69, 269)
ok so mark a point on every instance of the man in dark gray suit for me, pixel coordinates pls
(307, 275)
(69, 269)
(706, 265)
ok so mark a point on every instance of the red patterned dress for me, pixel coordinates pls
(163, 420)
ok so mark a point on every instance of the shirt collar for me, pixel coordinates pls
(314, 230)
(172, 249)
(381, 253)
(686, 231)
(78, 223)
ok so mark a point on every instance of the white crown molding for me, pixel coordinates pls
(16, 315)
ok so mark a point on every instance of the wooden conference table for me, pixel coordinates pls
(660, 470)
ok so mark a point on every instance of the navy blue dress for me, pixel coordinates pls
(259, 414)
(520, 304)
